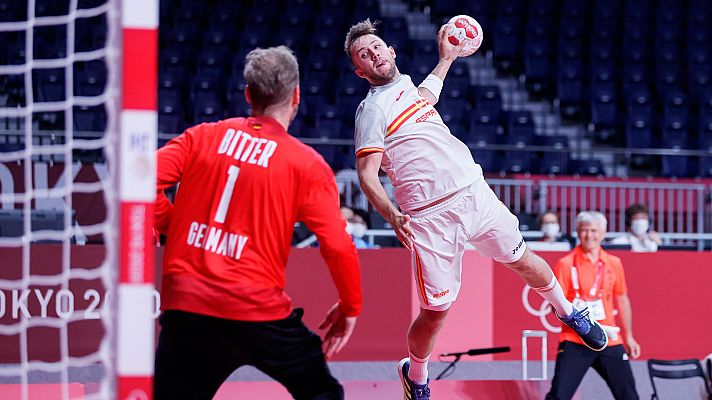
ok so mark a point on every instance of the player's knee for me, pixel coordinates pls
(529, 260)
(434, 315)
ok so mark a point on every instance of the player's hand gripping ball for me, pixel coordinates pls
(464, 27)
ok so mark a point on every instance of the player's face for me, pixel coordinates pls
(374, 61)
(591, 235)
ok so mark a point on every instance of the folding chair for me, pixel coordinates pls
(676, 369)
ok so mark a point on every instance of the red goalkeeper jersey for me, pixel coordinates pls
(244, 182)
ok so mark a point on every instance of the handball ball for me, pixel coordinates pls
(464, 27)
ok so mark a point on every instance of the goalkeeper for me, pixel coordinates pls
(244, 182)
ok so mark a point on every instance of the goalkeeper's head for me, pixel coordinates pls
(272, 77)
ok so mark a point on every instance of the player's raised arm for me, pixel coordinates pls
(432, 85)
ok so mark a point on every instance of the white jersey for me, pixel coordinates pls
(423, 160)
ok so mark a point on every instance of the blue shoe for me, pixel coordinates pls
(411, 390)
(589, 330)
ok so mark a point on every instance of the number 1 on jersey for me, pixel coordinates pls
(232, 174)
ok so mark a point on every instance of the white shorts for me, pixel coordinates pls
(473, 215)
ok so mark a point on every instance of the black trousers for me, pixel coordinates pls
(196, 353)
(573, 360)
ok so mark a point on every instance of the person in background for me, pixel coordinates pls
(552, 238)
(347, 212)
(593, 280)
(356, 227)
(549, 226)
(638, 234)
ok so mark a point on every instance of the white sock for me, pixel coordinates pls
(555, 295)
(418, 371)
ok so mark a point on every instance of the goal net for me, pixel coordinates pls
(77, 304)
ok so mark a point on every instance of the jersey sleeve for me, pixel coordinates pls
(370, 128)
(319, 210)
(171, 160)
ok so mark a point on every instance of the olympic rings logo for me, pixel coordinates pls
(542, 312)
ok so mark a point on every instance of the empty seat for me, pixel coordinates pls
(49, 42)
(489, 160)
(516, 162)
(484, 129)
(520, 128)
(208, 112)
(586, 167)
(90, 78)
(552, 164)
(604, 108)
(88, 121)
(569, 91)
(49, 84)
(488, 98)
(90, 33)
(673, 165)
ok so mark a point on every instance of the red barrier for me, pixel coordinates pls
(669, 292)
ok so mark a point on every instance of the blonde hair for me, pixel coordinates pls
(271, 75)
(362, 28)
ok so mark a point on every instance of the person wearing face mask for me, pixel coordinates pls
(638, 235)
(552, 238)
(356, 227)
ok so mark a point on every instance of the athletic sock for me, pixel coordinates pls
(418, 371)
(554, 295)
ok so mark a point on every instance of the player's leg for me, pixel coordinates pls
(421, 339)
(614, 367)
(572, 362)
(494, 231)
(290, 353)
(437, 267)
(193, 358)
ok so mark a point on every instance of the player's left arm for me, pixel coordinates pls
(171, 160)
(432, 85)
(626, 315)
(319, 209)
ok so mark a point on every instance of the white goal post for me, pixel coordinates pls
(78, 123)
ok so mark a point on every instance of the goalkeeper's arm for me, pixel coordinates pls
(171, 160)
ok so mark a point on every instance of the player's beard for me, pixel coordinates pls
(381, 78)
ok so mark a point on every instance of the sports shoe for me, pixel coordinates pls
(589, 330)
(411, 390)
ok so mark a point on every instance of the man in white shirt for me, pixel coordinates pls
(444, 199)
(639, 236)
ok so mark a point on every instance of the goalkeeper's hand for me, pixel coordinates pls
(339, 329)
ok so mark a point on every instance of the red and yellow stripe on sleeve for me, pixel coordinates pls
(367, 150)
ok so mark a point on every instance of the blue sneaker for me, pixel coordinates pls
(411, 390)
(589, 330)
